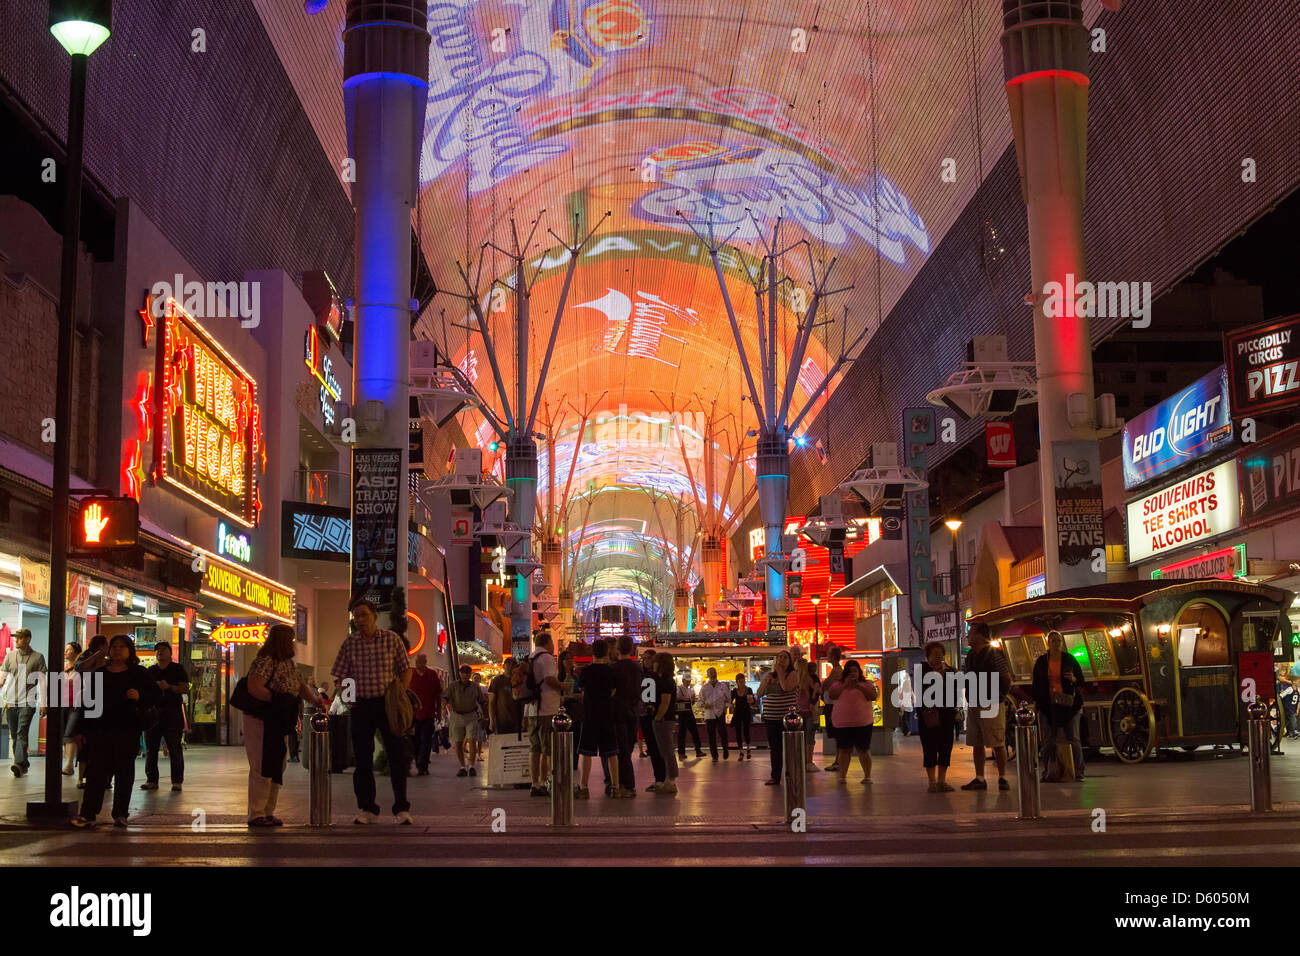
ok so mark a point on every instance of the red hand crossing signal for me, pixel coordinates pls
(105, 524)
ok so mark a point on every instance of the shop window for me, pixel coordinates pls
(1078, 649)
(1103, 664)
(1018, 657)
(1202, 637)
(1036, 646)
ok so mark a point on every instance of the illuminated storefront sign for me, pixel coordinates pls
(1195, 509)
(210, 443)
(1179, 430)
(233, 545)
(240, 634)
(247, 589)
(1270, 477)
(321, 367)
(1228, 563)
(1264, 366)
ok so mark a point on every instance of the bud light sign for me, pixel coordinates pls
(1179, 430)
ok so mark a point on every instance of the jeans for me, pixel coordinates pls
(109, 754)
(20, 724)
(717, 727)
(686, 722)
(1292, 724)
(153, 738)
(664, 738)
(1070, 729)
(368, 715)
(652, 748)
(743, 725)
(775, 747)
(424, 737)
(625, 729)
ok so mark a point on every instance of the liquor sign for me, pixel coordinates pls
(1270, 477)
(247, 589)
(1179, 430)
(377, 483)
(1195, 509)
(105, 524)
(1264, 366)
(240, 634)
(1000, 443)
(210, 442)
(1080, 525)
(1228, 563)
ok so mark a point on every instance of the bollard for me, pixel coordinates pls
(796, 774)
(1028, 786)
(1261, 784)
(562, 771)
(318, 772)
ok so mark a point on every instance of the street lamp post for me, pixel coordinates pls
(80, 26)
(817, 631)
(954, 525)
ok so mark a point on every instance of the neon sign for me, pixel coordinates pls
(240, 634)
(236, 546)
(210, 435)
(322, 369)
(248, 590)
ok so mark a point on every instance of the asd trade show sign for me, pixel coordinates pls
(1195, 509)
(1179, 430)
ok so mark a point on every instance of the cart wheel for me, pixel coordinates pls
(1132, 725)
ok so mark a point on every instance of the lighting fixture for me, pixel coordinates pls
(81, 26)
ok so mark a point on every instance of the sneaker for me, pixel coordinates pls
(626, 793)
(149, 785)
(82, 823)
(81, 785)
(976, 784)
(366, 818)
(945, 788)
(538, 792)
(1002, 784)
(653, 788)
(812, 767)
(16, 770)
(473, 772)
(119, 823)
(582, 793)
(866, 781)
(274, 822)
(609, 791)
(259, 822)
(831, 767)
(670, 786)
(699, 753)
(405, 819)
(462, 772)
(176, 788)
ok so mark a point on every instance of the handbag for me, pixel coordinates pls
(1062, 699)
(930, 718)
(242, 699)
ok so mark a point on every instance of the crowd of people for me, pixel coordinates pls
(625, 704)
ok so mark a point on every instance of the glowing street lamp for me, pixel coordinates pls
(80, 26)
(954, 525)
(816, 600)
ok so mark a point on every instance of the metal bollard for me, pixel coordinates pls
(562, 771)
(1028, 786)
(796, 774)
(318, 773)
(1261, 784)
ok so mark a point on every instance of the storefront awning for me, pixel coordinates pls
(892, 573)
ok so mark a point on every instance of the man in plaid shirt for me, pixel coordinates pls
(373, 658)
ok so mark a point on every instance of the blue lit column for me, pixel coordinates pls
(773, 495)
(385, 90)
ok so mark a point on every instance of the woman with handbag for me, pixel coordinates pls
(1058, 692)
(109, 741)
(855, 714)
(273, 687)
(936, 721)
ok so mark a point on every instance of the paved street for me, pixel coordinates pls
(722, 814)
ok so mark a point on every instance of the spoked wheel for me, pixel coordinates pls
(1132, 725)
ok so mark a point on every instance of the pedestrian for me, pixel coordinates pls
(626, 712)
(713, 698)
(274, 680)
(742, 716)
(991, 672)
(829, 745)
(173, 683)
(126, 699)
(1290, 701)
(480, 728)
(428, 688)
(809, 689)
(647, 721)
(855, 714)
(938, 715)
(1058, 692)
(665, 697)
(599, 736)
(22, 683)
(571, 697)
(374, 658)
(72, 712)
(503, 709)
(93, 658)
(777, 693)
(463, 704)
(685, 713)
(540, 687)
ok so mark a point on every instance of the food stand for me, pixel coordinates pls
(1160, 658)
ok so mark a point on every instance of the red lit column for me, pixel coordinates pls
(1045, 57)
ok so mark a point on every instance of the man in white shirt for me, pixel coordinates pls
(713, 698)
(540, 711)
(686, 718)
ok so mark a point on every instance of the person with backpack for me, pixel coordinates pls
(981, 731)
(374, 658)
(539, 692)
